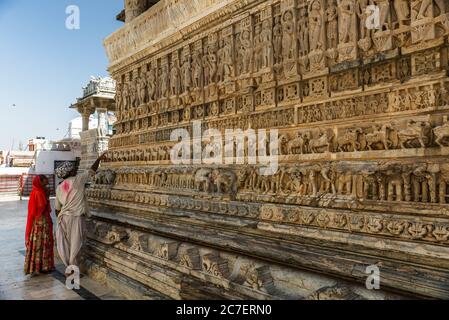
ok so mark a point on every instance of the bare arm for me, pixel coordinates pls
(97, 162)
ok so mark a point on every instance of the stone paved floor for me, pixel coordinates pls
(14, 285)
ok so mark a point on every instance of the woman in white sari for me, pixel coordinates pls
(71, 208)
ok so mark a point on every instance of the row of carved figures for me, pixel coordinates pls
(390, 181)
(416, 134)
(416, 98)
(310, 36)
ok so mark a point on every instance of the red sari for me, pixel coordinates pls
(39, 232)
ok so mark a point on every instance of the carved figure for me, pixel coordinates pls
(210, 65)
(245, 51)
(332, 24)
(298, 144)
(402, 9)
(267, 44)
(379, 135)
(363, 15)
(197, 71)
(315, 25)
(442, 133)
(425, 4)
(106, 177)
(164, 80)
(224, 181)
(175, 81)
(323, 141)
(345, 18)
(350, 138)
(288, 37)
(203, 180)
(277, 40)
(303, 32)
(151, 84)
(141, 89)
(415, 131)
(186, 74)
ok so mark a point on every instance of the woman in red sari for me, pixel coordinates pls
(39, 230)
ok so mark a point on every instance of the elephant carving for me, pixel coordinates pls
(203, 180)
(224, 181)
(106, 177)
(344, 183)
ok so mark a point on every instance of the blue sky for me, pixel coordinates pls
(44, 65)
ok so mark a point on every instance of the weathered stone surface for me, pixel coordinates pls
(363, 142)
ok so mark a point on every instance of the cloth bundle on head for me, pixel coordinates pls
(64, 170)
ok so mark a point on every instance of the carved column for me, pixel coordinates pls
(85, 112)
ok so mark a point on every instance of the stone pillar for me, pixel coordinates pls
(86, 118)
(102, 120)
(85, 114)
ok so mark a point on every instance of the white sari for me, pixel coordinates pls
(71, 203)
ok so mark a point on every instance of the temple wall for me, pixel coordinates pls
(363, 152)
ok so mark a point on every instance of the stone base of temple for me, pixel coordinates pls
(183, 256)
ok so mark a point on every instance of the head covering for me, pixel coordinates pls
(37, 184)
(64, 170)
(37, 205)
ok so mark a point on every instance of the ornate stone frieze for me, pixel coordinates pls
(360, 101)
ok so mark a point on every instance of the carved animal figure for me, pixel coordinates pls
(323, 141)
(297, 144)
(203, 180)
(328, 183)
(283, 140)
(415, 131)
(105, 177)
(154, 154)
(350, 138)
(242, 177)
(441, 134)
(224, 181)
(163, 153)
(379, 135)
(344, 183)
